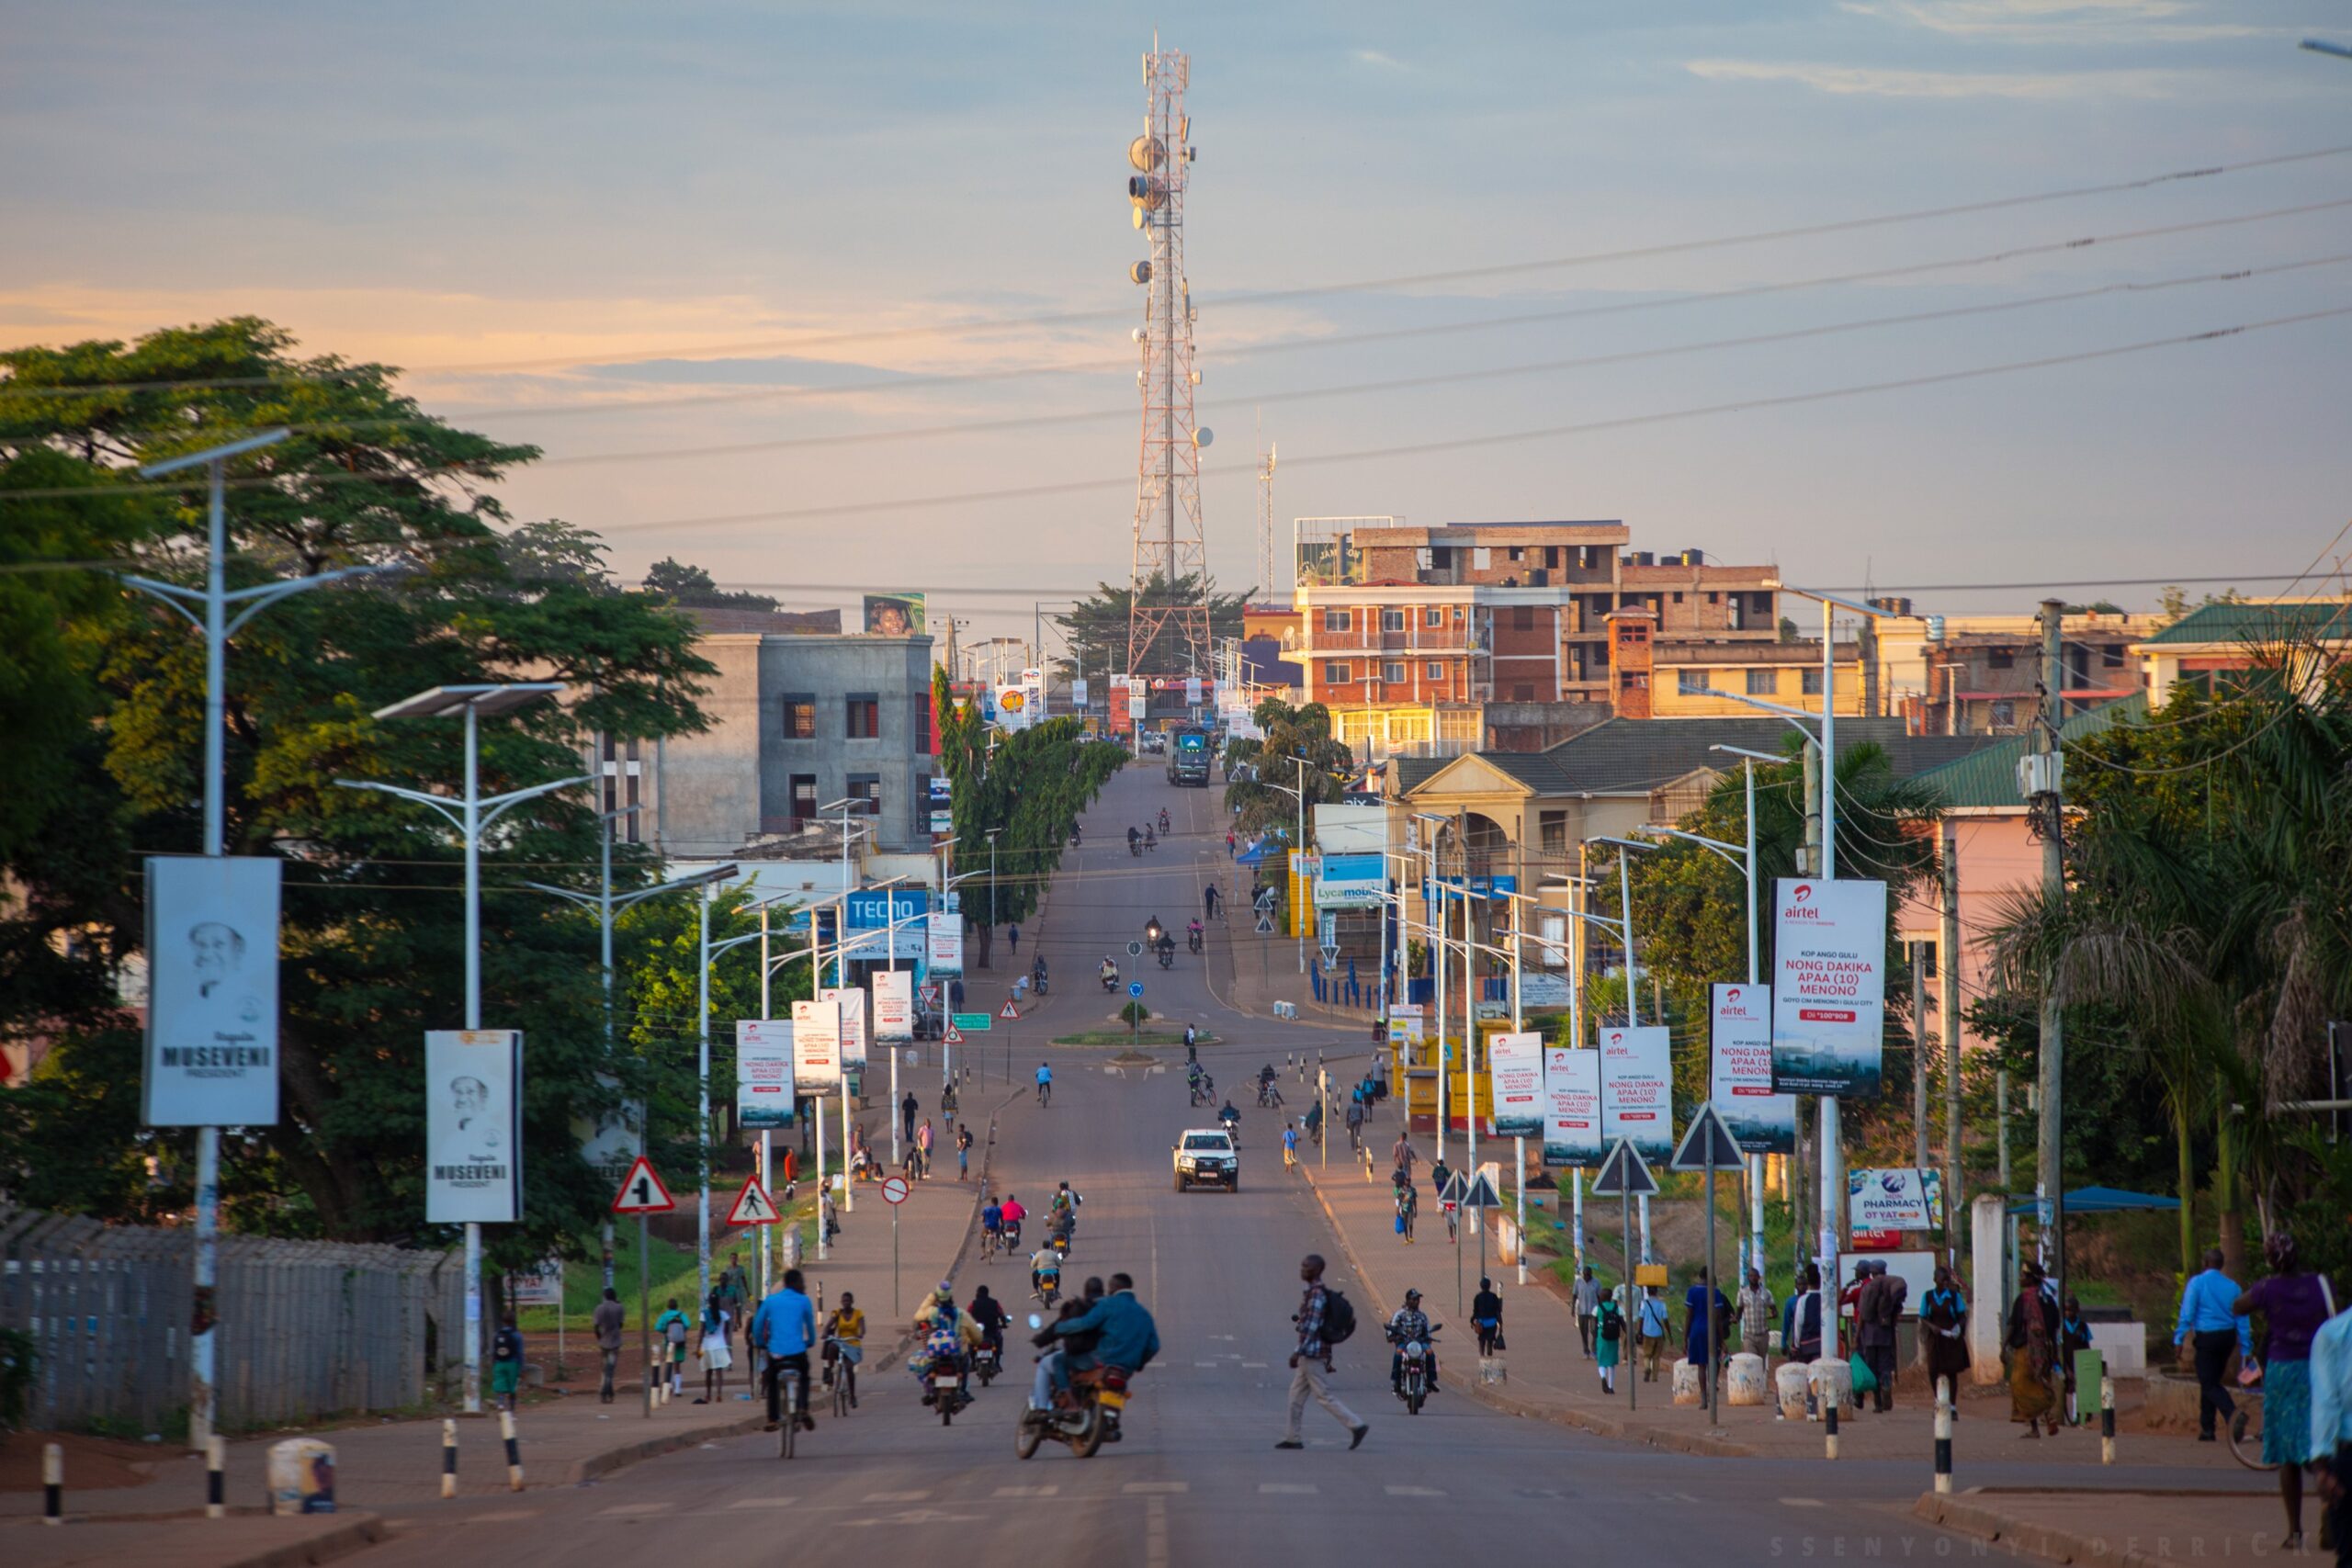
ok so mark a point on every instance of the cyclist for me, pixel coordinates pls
(991, 1227)
(783, 1328)
(1045, 1084)
(845, 1340)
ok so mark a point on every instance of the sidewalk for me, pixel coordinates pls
(2119, 1529)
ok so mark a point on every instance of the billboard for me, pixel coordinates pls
(474, 1126)
(1897, 1200)
(212, 992)
(894, 615)
(894, 1006)
(1016, 708)
(1637, 1089)
(764, 1095)
(1739, 1072)
(815, 1047)
(946, 942)
(851, 1002)
(1352, 882)
(872, 911)
(1571, 1107)
(1515, 1084)
(1829, 991)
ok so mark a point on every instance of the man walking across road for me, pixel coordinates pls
(1319, 1328)
(610, 1318)
(906, 1108)
(2212, 1331)
(1588, 1305)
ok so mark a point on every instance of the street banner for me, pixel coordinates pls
(853, 1023)
(945, 932)
(1739, 1074)
(1403, 1023)
(1572, 1106)
(540, 1288)
(1078, 692)
(212, 992)
(816, 1046)
(894, 1006)
(764, 1098)
(1829, 999)
(1351, 881)
(1515, 1084)
(1637, 1089)
(1901, 1199)
(474, 1126)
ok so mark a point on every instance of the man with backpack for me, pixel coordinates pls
(1879, 1310)
(1325, 1319)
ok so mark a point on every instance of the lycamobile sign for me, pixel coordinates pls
(1829, 995)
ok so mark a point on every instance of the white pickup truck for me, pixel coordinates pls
(1206, 1156)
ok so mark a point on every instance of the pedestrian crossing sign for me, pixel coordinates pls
(752, 1205)
(1008, 1009)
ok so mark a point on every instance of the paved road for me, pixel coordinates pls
(1197, 1480)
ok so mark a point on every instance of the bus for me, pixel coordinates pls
(1188, 757)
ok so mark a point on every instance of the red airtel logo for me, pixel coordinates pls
(1803, 891)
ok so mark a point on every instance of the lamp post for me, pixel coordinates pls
(710, 953)
(471, 814)
(1632, 990)
(1437, 926)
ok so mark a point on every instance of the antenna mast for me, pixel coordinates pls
(1266, 525)
(1163, 635)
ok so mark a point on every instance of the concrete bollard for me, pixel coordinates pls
(52, 1483)
(1744, 1382)
(216, 1477)
(1689, 1382)
(1829, 1428)
(1794, 1388)
(448, 1458)
(2106, 1420)
(1943, 1441)
(514, 1450)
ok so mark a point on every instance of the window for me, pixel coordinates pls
(1690, 683)
(924, 747)
(1763, 683)
(1338, 621)
(1523, 693)
(1678, 598)
(1551, 832)
(804, 799)
(1434, 616)
(1812, 682)
(2005, 715)
(2001, 659)
(1392, 620)
(866, 790)
(2110, 656)
(799, 715)
(1551, 930)
(1522, 617)
(1338, 673)
(1394, 673)
(865, 711)
(1482, 558)
(1434, 670)
(1514, 552)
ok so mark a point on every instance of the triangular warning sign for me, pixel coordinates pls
(1707, 1144)
(1008, 1009)
(1454, 1189)
(1623, 1174)
(1482, 1195)
(953, 1036)
(642, 1192)
(752, 1205)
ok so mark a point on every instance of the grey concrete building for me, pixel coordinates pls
(796, 722)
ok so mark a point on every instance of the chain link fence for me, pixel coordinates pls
(307, 1328)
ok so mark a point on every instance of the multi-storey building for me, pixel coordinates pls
(1982, 674)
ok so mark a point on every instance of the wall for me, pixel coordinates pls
(1999, 858)
(1667, 700)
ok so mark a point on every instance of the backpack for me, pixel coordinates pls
(676, 1333)
(1338, 1318)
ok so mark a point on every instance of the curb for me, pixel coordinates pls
(1557, 1414)
(1989, 1525)
(351, 1532)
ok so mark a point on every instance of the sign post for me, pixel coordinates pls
(894, 1192)
(1708, 1146)
(1623, 1175)
(642, 1193)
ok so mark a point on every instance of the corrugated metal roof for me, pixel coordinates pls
(1988, 778)
(2328, 620)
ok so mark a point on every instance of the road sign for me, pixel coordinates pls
(1482, 1195)
(1456, 1186)
(1707, 1144)
(894, 1189)
(1134, 950)
(642, 1192)
(1008, 1009)
(752, 1205)
(1623, 1174)
(1135, 988)
(953, 1036)
(1265, 921)
(979, 1020)
(930, 995)
(1331, 956)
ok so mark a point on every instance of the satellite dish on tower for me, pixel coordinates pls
(1202, 436)
(1140, 272)
(1147, 153)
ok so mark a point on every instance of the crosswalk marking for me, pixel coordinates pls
(1284, 1489)
(1801, 1503)
(1026, 1491)
(622, 1510)
(1155, 1488)
(1253, 1366)
(1413, 1490)
(896, 1497)
(763, 1502)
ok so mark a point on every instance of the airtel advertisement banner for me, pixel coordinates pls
(1829, 995)
(1571, 1107)
(1515, 1079)
(1740, 1075)
(1637, 1089)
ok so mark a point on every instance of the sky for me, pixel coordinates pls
(750, 272)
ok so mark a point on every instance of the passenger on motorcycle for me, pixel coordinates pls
(1110, 973)
(948, 1333)
(1013, 1214)
(1065, 1201)
(1193, 933)
(1044, 1269)
(1128, 1339)
(1410, 1322)
(988, 1313)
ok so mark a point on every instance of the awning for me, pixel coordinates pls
(2103, 1201)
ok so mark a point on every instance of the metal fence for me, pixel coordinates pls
(306, 1327)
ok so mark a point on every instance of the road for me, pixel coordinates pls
(1197, 1480)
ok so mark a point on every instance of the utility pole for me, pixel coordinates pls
(1948, 987)
(1824, 1107)
(1920, 1054)
(2048, 800)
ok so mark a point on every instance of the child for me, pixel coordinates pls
(671, 1326)
(506, 1362)
(1610, 1332)
(716, 1355)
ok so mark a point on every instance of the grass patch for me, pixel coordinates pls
(1123, 1037)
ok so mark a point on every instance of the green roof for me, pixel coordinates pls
(2323, 621)
(1989, 778)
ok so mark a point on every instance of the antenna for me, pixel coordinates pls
(1266, 519)
(1165, 635)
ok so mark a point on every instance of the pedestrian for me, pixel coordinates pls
(1588, 1306)
(827, 1215)
(2295, 1306)
(1208, 901)
(1802, 1322)
(955, 996)
(1876, 1315)
(1403, 1154)
(1408, 1206)
(1757, 1310)
(1290, 1146)
(1355, 1122)
(609, 1319)
(906, 1108)
(2031, 1347)
(1608, 1337)
(1487, 1317)
(674, 1330)
(2073, 1338)
(717, 1327)
(1943, 1323)
(1320, 1326)
(963, 1152)
(923, 1142)
(2211, 1330)
(506, 1362)
(1013, 936)
(1229, 844)
(791, 1251)
(2330, 1426)
(1703, 1304)
(1651, 1330)
(735, 1288)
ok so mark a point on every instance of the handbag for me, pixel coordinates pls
(1400, 1224)
(1865, 1381)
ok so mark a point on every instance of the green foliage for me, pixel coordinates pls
(19, 1359)
(1096, 627)
(676, 582)
(1134, 1015)
(1292, 733)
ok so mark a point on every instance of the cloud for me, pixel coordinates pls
(2106, 22)
(1378, 61)
(1882, 82)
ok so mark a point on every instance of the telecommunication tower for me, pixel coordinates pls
(1266, 526)
(1168, 547)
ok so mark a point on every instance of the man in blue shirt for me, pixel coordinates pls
(785, 1327)
(1129, 1340)
(1044, 1083)
(2213, 1331)
(2331, 1373)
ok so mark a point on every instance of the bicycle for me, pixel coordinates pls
(2245, 1433)
(794, 1402)
(845, 1379)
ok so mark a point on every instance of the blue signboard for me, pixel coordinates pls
(1135, 988)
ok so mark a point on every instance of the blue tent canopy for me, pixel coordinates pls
(1256, 853)
(2103, 1201)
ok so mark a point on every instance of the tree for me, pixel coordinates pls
(370, 944)
(1096, 627)
(690, 587)
(1026, 787)
(1253, 767)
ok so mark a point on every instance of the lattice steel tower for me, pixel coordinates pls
(1169, 544)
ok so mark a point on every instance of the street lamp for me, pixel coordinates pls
(1438, 941)
(471, 814)
(215, 600)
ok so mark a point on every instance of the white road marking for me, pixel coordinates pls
(763, 1502)
(1413, 1490)
(497, 1516)
(1254, 1366)
(1802, 1503)
(623, 1510)
(1026, 1491)
(896, 1497)
(1284, 1489)
(1204, 1363)
(1155, 1488)
(1155, 1532)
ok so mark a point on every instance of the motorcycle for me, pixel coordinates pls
(1232, 1126)
(1134, 846)
(1269, 1096)
(1168, 956)
(1011, 1242)
(1061, 1243)
(1074, 836)
(1037, 979)
(1413, 1375)
(986, 1362)
(1192, 938)
(1163, 824)
(1109, 981)
(1048, 1291)
(1081, 1421)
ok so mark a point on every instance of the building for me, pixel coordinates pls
(1705, 680)
(2215, 641)
(1982, 674)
